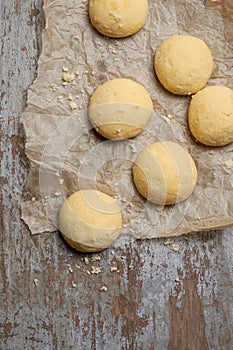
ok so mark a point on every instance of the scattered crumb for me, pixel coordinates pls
(168, 241)
(95, 270)
(229, 163)
(49, 99)
(131, 267)
(95, 257)
(70, 98)
(88, 272)
(57, 173)
(114, 268)
(65, 69)
(93, 72)
(61, 181)
(77, 72)
(76, 37)
(74, 284)
(69, 268)
(86, 71)
(36, 281)
(73, 105)
(112, 252)
(68, 77)
(57, 194)
(170, 116)
(103, 289)
(175, 247)
(86, 260)
(78, 267)
(53, 87)
(177, 279)
(133, 148)
(65, 84)
(33, 199)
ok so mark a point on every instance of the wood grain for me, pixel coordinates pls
(49, 299)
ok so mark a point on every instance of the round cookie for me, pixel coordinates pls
(183, 64)
(118, 19)
(120, 109)
(210, 116)
(165, 173)
(90, 220)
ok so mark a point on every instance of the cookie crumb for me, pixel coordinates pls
(95, 257)
(73, 105)
(36, 281)
(68, 77)
(53, 87)
(175, 247)
(168, 241)
(133, 148)
(73, 284)
(103, 289)
(65, 69)
(114, 268)
(70, 98)
(86, 260)
(70, 268)
(95, 270)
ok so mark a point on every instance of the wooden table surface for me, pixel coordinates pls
(49, 298)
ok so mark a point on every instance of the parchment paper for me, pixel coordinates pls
(66, 154)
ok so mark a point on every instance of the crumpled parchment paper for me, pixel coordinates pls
(66, 154)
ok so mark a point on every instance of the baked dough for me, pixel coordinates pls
(120, 108)
(118, 18)
(165, 173)
(210, 116)
(183, 64)
(90, 220)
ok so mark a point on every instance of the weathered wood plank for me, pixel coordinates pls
(160, 299)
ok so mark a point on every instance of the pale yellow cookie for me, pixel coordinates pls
(165, 173)
(210, 116)
(183, 64)
(90, 220)
(118, 18)
(120, 109)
